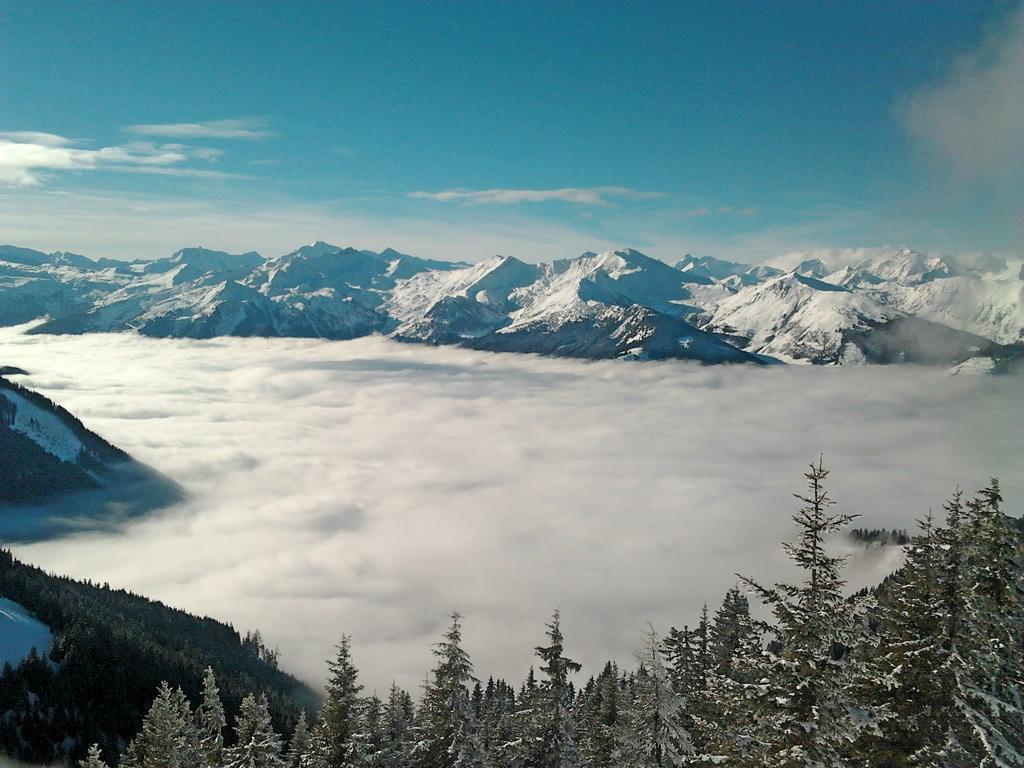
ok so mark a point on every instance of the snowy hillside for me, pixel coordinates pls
(595, 305)
(49, 455)
(20, 632)
(793, 317)
(47, 450)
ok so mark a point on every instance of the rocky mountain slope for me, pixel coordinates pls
(615, 304)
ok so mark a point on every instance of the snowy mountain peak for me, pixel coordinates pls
(319, 248)
(623, 262)
(710, 267)
(200, 254)
(908, 267)
(812, 268)
(201, 260)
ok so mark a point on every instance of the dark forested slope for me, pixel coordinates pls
(112, 649)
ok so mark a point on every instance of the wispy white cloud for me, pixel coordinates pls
(199, 153)
(254, 128)
(369, 487)
(575, 195)
(27, 158)
(721, 210)
(37, 137)
(973, 119)
(187, 173)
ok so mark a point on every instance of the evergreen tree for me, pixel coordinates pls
(911, 674)
(191, 753)
(689, 660)
(398, 720)
(446, 736)
(331, 745)
(729, 630)
(553, 741)
(93, 759)
(989, 643)
(162, 740)
(298, 747)
(654, 736)
(369, 741)
(735, 712)
(810, 717)
(257, 745)
(507, 722)
(210, 723)
(602, 715)
(681, 649)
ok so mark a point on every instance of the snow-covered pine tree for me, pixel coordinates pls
(369, 740)
(476, 700)
(508, 721)
(93, 759)
(990, 637)
(909, 673)
(729, 629)
(654, 735)
(552, 739)
(681, 650)
(298, 747)
(398, 716)
(331, 741)
(811, 718)
(257, 745)
(446, 735)
(734, 712)
(191, 754)
(601, 717)
(210, 723)
(162, 741)
(688, 661)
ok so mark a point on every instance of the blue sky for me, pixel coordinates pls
(538, 129)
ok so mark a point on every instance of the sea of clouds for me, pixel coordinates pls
(370, 487)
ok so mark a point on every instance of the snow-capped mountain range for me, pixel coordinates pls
(899, 306)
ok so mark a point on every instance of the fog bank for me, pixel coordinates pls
(369, 487)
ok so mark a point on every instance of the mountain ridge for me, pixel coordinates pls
(809, 314)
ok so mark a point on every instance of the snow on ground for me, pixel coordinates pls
(20, 632)
(370, 487)
(44, 428)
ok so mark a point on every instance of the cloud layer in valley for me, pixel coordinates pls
(370, 487)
